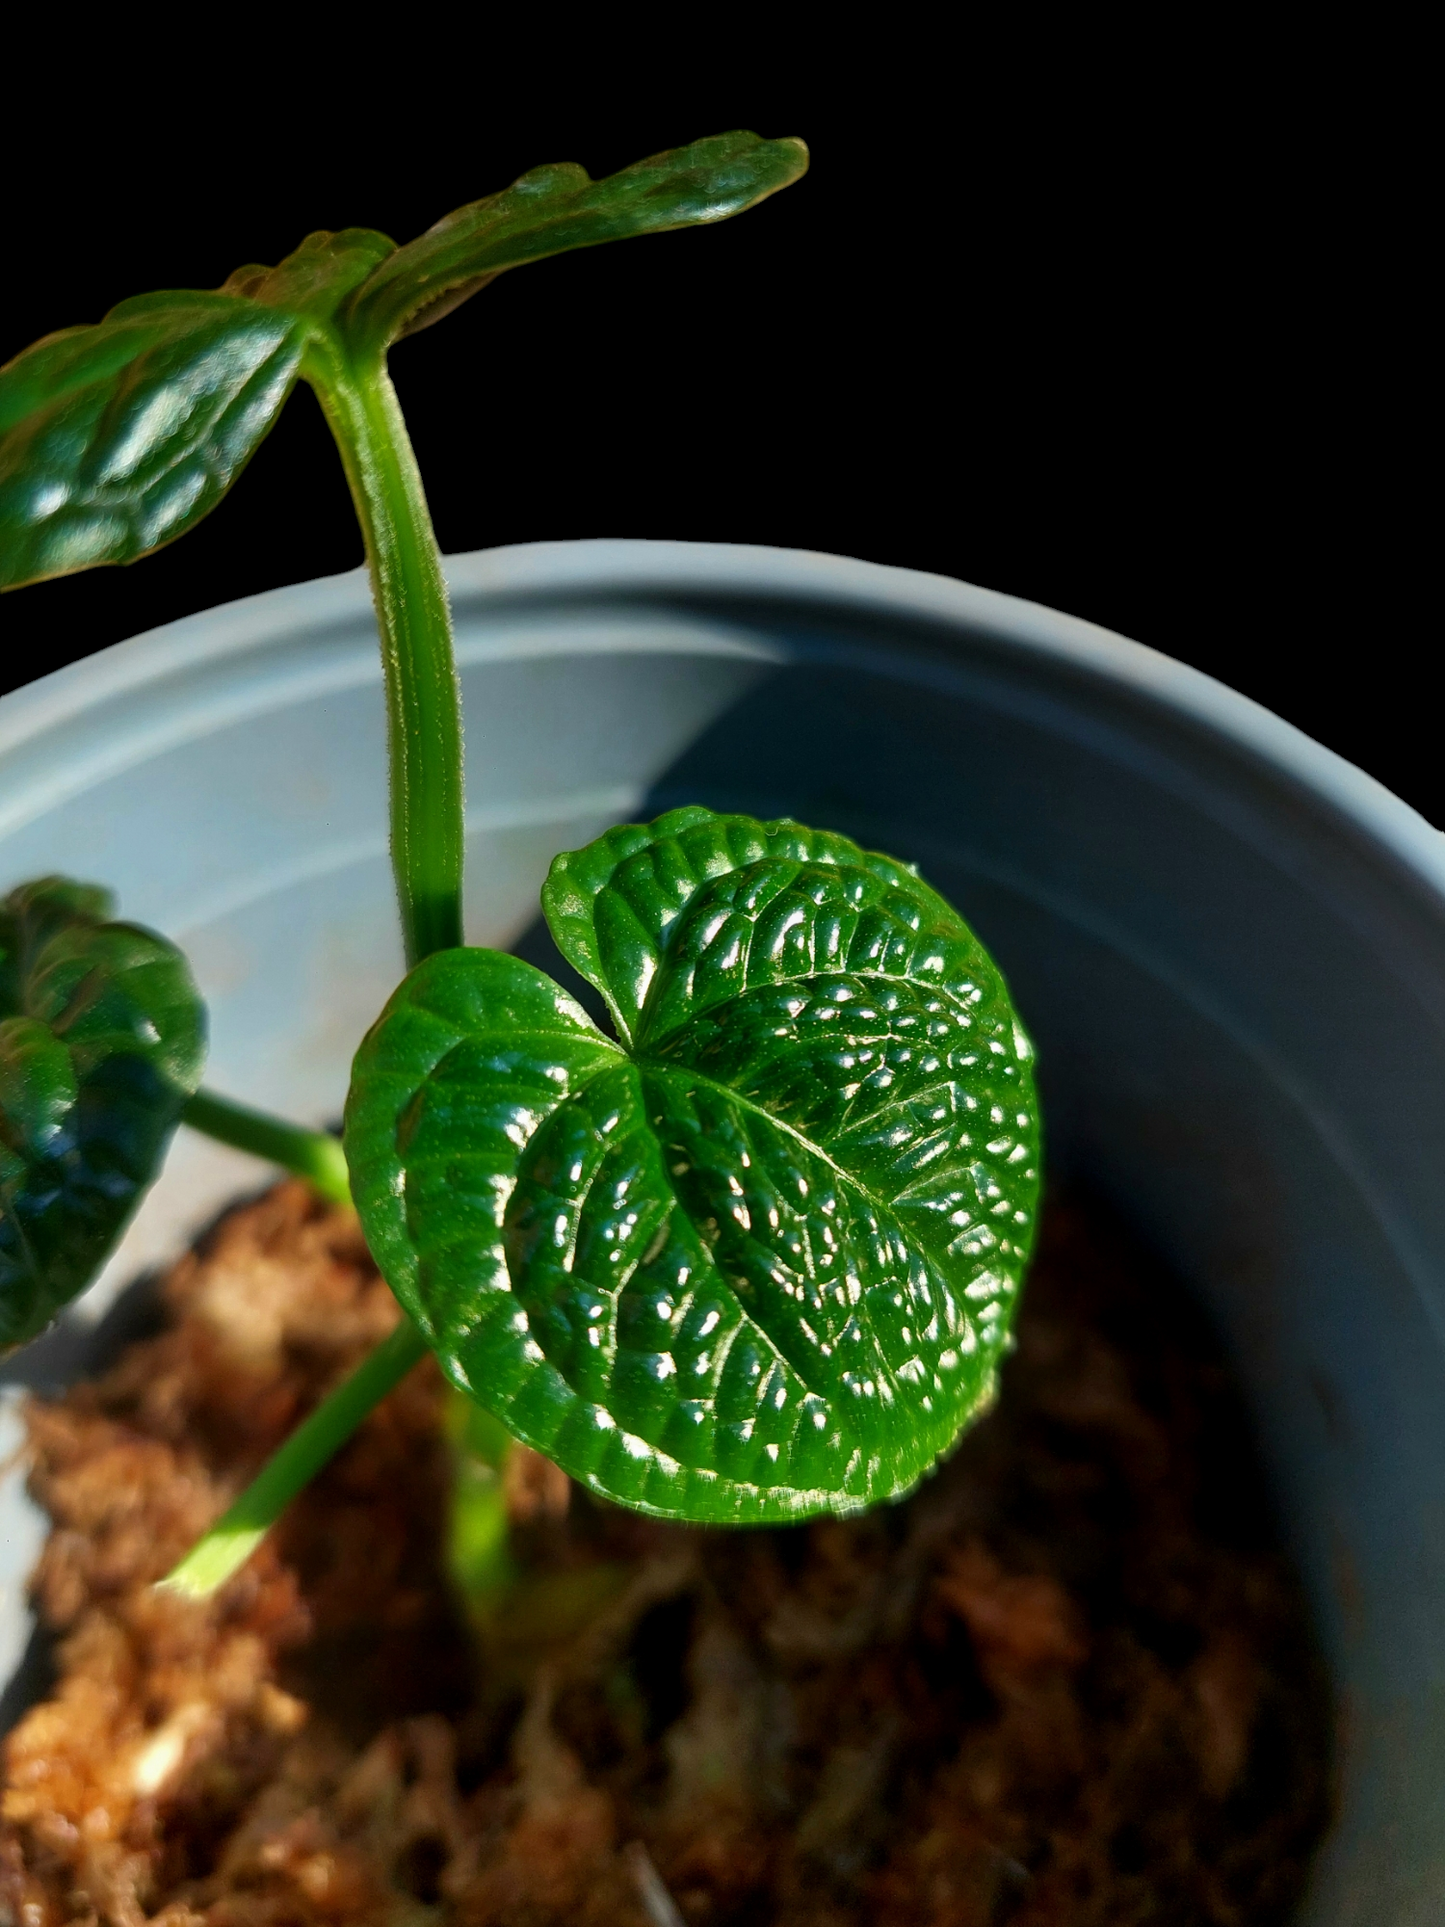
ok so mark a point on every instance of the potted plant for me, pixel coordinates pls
(443, 1100)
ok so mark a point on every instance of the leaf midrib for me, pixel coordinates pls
(816, 1150)
(645, 1062)
(778, 1124)
(760, 1110)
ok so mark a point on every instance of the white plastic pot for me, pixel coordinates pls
(1229, 945)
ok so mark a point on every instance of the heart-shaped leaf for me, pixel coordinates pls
(757, 1260)
(102, 1039)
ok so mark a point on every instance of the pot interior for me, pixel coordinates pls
(1227, 946)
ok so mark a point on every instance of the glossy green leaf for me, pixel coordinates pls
(758, 1259)
(102, 1039)
(117, 438)
(553, 209)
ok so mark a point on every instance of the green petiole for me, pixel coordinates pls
(316, 1156)
(241, 1528)
(423, 699)
(424, 734)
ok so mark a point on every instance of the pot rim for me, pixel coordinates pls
(617, 567)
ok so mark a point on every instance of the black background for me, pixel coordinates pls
(1077, 321)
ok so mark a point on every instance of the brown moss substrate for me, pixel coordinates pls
(1070, 1681)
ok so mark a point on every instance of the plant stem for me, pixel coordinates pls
(423, 699)
(424, 742)
(316, 1156)
(237, 1533)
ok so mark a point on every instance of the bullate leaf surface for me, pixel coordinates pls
(102, 1040)
(755, 1258)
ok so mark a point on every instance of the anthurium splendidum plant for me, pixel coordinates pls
(750, 1257)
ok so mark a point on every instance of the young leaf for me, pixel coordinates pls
(758, 1260)
(118, 438)
(316, 277)
(115, 439)
(553, 209)
(102, 1039)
